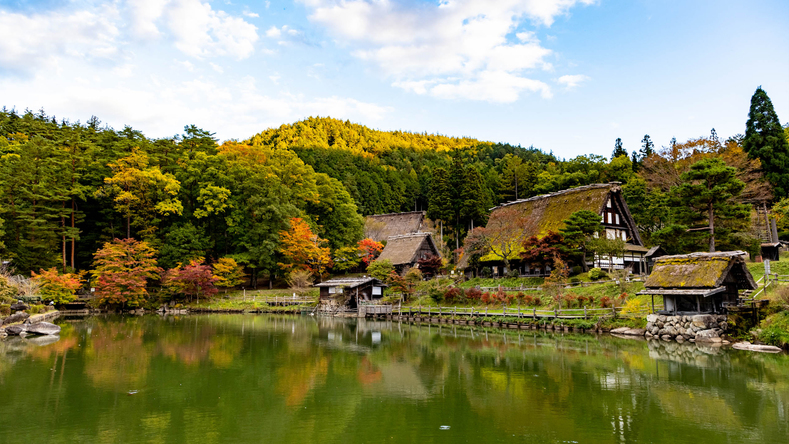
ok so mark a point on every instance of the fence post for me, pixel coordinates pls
(439, 311)
(613, 309)
(584, 311)
(534, 313)
(504, 310)
(486, 311)
(555, 313)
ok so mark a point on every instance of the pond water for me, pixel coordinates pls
(267, 378)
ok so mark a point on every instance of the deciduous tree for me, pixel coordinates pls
(121, 270)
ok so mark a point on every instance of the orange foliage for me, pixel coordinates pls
(303, 249)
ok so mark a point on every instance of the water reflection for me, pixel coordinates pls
(219, 378)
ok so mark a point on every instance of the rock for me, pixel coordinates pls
(15, 330)
(19, 306)
(620, 330)
(42, 340)
(745, 345)
(654, 331)
(43, 328)
(635, 332)
(665, 337)
(671, 331)
(662, 318)
(648, 335)
(703, 321)
(708, 336)
(652, 318)
(650, 325)
(16, 317)
(680, 339)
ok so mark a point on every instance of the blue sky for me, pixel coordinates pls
(568, 76)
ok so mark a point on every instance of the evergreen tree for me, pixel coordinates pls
(473, 198)
(765, 140)
(647, 147)
(708, 189)
(578, 230)
(618, 149)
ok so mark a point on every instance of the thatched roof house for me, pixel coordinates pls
(547, 212)
(350, 291)
(699, 282)
(405, 251)
(381, 227)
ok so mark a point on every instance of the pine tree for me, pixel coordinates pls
(618, 149)
(472, 198)
(765, 140)
(647, 147)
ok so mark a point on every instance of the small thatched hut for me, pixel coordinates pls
(699, 282)
(381, 227)
(405, 251)
(350, 291)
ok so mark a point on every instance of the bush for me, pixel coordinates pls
(454, 294)
(576, 270)
(775, 330)
(8, 291)
(569, 301)
(596, 274)
(537, 301)
(473, 294)
(486, 272)
(605, 302)
(5, 309)
(513, 274)
(37, 308)
(56, 287)
(380, 269)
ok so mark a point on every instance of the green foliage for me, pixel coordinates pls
(380, 269)
(596, 274)
(775, 329)
(7, 290)
(765, 139)
(579, 229)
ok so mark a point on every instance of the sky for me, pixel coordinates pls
(565, 76)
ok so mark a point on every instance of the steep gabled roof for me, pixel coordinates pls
(548, 211)
(350, 282)
(380, 227)
(401, 250)
(700, 271)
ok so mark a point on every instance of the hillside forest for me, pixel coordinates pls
(68, 188)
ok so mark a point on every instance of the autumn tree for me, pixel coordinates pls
(369, 250)
(303, 249)
(765, 139)
(121, 270)
(59, 288)
(430, 265)
(345, 258)
(540, 252)
(141, 191)
(503, 236)
(228, 273)
(192, 280)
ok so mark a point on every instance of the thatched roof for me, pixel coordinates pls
(402, 250)
(548, 211)
(380, 227)
(700, 271)
(350, 282)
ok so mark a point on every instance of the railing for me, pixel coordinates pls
(581, 284)
(532, 313)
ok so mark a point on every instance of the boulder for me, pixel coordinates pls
(620, 330)
(652, 318)
(665, 337)
(709, 335)
(43, 328)
(635, 332)
(745, 345)
(16, 317)
(19, 306)
(15, 330)
(703, 321)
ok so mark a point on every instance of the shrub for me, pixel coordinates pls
(56, 287)
(380, 269)
(537, 301)
(575, 280)
(436, 294)
(775, 330)
(487, 297)
(569, 301)
(527, 299)
(635, 307)
(5, 309)
(622, 298)
(454, 294)
(473, 294)
(596, 274)
(486, 272)
(37, 308)
(8, 290)
(605, 302)
(576, 270)
(513, 274)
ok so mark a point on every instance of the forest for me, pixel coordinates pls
(68, 188)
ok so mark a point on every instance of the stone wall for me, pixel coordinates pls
(696, 328)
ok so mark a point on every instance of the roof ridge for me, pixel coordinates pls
(559, 193)
(414, 234)
(703, 255)
(394, 214)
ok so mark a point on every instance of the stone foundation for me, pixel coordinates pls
(695, 328)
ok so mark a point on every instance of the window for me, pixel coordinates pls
(376, 291)
(332, 290)
(608, 203)
(609, 218)
(617, 218)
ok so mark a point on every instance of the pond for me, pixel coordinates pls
(292, 379)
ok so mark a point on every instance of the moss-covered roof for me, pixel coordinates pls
(547, 212)
(380, 227)
(700, 270)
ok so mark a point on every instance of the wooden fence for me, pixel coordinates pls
(533, 313)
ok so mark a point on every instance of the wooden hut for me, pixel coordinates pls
(547, 213)
(699, 282)
(381, 227)
(349, 292)
(652, 255)
(406, 250)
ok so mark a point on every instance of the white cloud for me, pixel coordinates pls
(251, 14)
(273, 32)
(216, 67)
(186, 64)
(452, 49)
(200, 31)
(571, 81)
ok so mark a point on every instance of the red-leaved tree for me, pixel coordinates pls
(369, 250)
(193, 280)
(121, 270)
